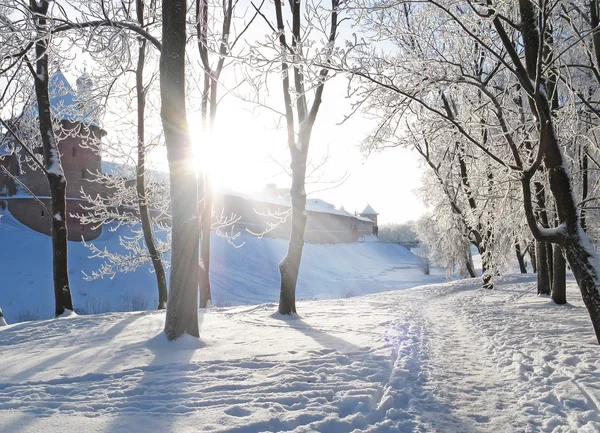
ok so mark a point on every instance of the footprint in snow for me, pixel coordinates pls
(237, 411)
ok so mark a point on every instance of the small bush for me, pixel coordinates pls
(97, 306)
(134, 302)
(28, 316)
(424, 265)
(348, 294)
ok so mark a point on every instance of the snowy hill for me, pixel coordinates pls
(442, 358)
(242, 276)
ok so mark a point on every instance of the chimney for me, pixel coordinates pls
(270, 190)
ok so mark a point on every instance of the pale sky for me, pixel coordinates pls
(246, 141)
(246, 145)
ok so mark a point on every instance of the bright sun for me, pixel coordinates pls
(236, 157)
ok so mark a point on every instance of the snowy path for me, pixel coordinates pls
(446, 358)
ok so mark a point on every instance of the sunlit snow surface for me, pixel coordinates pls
(242, 276)
(447, 358)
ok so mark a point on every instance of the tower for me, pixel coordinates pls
(78, 136)
(369, 212)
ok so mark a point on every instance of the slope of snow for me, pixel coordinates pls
(240, 276)
(447, 358)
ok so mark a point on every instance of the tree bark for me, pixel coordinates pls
(204, 274)
(289, 267)
(486, 270)
(544, 249)
(550, 260)
(533, 256)
(584, 186)
(559, 277)
(52, 164)
(543, 276)
(159, 270)
(182, 305)
(469, 263)
(520, 258)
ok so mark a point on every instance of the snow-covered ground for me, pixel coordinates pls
(240, 276)
(447, 358)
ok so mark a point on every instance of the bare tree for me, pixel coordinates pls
(298, 140)
(534, 70)
(182, 306)
(147, 228)
(16, 51)
(220, 43)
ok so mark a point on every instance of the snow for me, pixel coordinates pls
(447, 357)
(242, 276)
(6, 149)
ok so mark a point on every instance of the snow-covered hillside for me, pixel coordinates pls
(242, 276)
(442, 358)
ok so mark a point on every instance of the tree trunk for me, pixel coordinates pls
(53, 167)
(550, 260)
(520, 258)
(182, 306)
(533, 257)
(559, 277)
(159, 270)
(543, 249)
(469, 263)
(204, 275)
(486, 268)
(584, 184)
(543, 276)
(586, 275)
(290, 265)
(62, 290)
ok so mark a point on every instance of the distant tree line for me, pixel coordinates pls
(395, 232)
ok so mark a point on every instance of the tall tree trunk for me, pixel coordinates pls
(469, 263)
(543, 276)
(584, 186)
(543, 249)
(182, 306)
(532, 256)
(486, 267)
(204, 283)
(520, 258)
(53, 166)
(290, 265)
(159, 270)
(550, 260)
(298, 146)
(559, 277)
(211, 82)
(207, 205)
